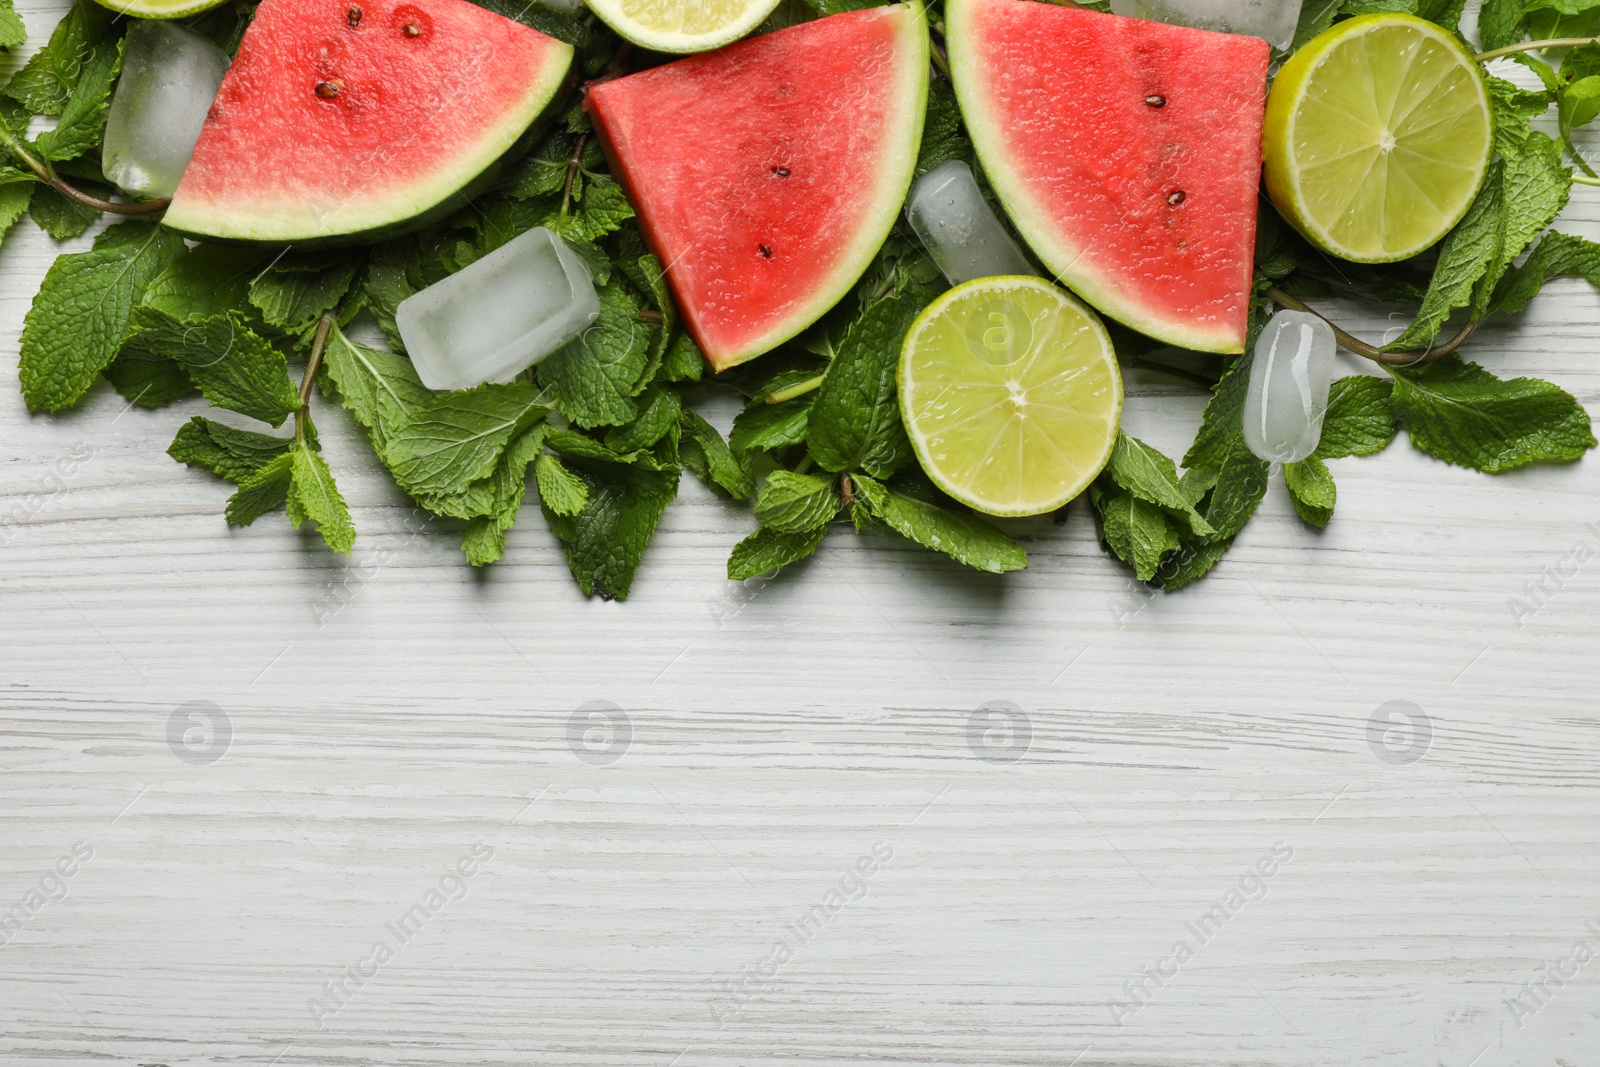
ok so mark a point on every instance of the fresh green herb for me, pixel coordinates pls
(604, 429)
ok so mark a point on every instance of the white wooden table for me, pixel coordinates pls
(686, 888)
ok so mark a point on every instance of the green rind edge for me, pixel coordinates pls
(888, 195)
(232, 224)
(1036, 227)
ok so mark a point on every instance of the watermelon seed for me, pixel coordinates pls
(329, 89)
(782, 172)
(411, 29)
(766, 253)
(353, 16)
(1175, 197)
(1156, 100)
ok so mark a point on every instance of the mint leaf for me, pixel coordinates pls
(1464, 415)
(964, 538)
(61, 218)
(1241, 483)
(543, 171)
(224, 451)
(1513, 107)
(205, 283)
(46, 83)
(762, 427)
(766, 550)
(1153, 478)
(485, 539)
(232, 366)
(1223, 421)
(1446, 13)
(561, 491)
(13, 33)
(855, 420)
(148, 379)
(943, 137)
(1536, 189)
(81, 314)
(660, 413)
(605, 543)
(458, 438)
(1193, 561)
(313, 497)
(265, 490)
(293, 295)
(594, 376)
(795, 503)
(605, 209)
(1558, 255)
(709, 458)
(1311, 489)
(83, 117)
(1500, 23)
(683, 361)
(16, 189)
(384, 284)
(1136, 531)
(1469, 253)
(1360, 420)
(380, 389)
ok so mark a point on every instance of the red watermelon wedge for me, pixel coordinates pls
(767, 175)
(344, 118)
(1127, 152)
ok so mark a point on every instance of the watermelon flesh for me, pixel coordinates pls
(1127, 153)
(341, 118)
(767, 175)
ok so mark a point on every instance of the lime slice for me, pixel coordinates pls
(1378, 135)
(1011, 395)
(682, 25)
(160, 9)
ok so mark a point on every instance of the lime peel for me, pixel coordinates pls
(1011, 395)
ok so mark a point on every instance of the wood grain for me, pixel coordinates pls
(389, 714)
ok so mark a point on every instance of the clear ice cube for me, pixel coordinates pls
(1274, 20)
(499, 315)
(1289, 382)
(959, 229)
(170, 76)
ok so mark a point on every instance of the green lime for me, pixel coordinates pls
(1011, 394)
(1378, 135)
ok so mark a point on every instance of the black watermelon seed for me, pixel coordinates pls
(353, 16)
(329, 89)
(411, 29)
(1156, 100)
(766, 253)
(782, 172)
(1175, 197)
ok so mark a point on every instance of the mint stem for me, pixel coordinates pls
(46, 175)
(573, 163)
(1535, 46)
(319, 344)
(1403, 358)
(1579, 179)
(778, 396)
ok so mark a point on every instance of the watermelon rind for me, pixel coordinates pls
(1059, 255)
(885, 197)
(279, 221)
(160, 9)
(615, 13)
(881, 198)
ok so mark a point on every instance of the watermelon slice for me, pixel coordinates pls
(1127, 152)
(344, 118)
(768, 174)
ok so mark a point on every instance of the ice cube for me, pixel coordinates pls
(956, 225)
(1274, 20)
(1289, 382)
(499, 315)
(170, 76)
